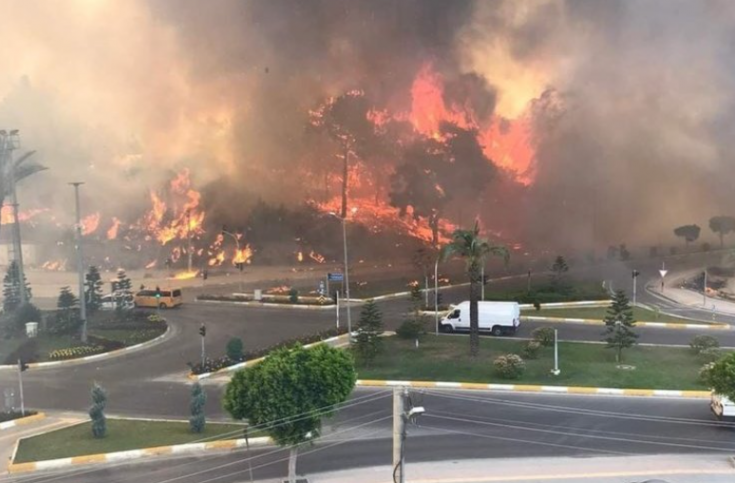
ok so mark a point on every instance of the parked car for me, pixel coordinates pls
(159, 298)
(112, 301)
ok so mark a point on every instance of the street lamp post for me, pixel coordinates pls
(436, 296)
(10, 142)
(80, 262)
(237, 254)
(347, 271)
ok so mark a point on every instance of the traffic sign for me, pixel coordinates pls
(336, 277)
(321, 289)
(663, 272)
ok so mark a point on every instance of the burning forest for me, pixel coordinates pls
(404, 119)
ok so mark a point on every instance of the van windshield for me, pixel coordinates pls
(454, 314)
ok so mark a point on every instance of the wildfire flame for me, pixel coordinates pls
(244, 255)
(6, 215)
(90, 223)
(186, 275)
(112, 231)
(316, 257)
(300, 256)
(54, 265)
(151, 264)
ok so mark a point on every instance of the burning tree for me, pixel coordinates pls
(345, 119)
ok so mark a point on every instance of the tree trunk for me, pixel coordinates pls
(292, 454)
(434, 224)
(474, 272)
(345, 172)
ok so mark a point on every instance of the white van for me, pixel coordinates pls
(497, 318)
(722, 407)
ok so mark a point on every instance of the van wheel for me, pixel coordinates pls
(447, 328)
(497, 331)
(161, 305)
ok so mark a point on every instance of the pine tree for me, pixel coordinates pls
(368, 342)
(97, 412)
(619, 320)
(67, 319)
(93, 289)
(123, 282)
(11, 288)
(198, 400)
(559, 274)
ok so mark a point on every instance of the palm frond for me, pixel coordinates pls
(22, 172)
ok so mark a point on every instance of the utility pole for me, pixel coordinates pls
(399, 433)
(337, 304)
(188, 238)
(80, 262)
(22, 366)
(528, 287)
(436, 296)
(482, 277)
(635, 286)
(556, 370)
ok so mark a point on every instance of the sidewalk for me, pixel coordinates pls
(689, 298)
(615, 469)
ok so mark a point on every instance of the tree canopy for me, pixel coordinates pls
(689, 233)
(722, 225)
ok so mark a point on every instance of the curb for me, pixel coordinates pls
(251, 303)
(598, 391)
(116, 457)
(561, 305)
(41, 365)
(22, 421)
(658, 325)
(240, 365)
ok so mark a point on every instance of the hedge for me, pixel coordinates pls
(211, 365)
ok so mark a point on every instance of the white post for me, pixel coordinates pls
(347, 280)
(556, 370)
(436, 296)
(337, 308)
(426, 290)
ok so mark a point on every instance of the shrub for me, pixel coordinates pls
(24, 314)
(710, 354)
(156, 319)
(411, 328)
(28, 351)
(509, 366)
(537, 305)
(97, 412)
(531, 349)
(196, 406)
(703, 342)
(293, 296)
(543, 335)
(234, 349)
(705, 371)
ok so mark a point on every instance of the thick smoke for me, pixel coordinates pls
(630, 102)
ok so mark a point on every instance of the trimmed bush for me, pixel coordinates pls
(411, 329)
(703, 342)
(75, 352)
(293, 296)
(509, 366)
(531, 349)
(234, 349)
(544, 336)
(710, 354)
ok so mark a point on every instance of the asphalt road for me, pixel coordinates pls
(456, 426)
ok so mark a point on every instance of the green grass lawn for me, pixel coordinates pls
(122, 435)
(639, 313)
(446, 358)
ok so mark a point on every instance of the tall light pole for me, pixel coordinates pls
(80, 262)
(436, 295)
(188, 238)
(347, 270)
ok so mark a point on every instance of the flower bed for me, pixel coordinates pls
(211, 365)
(75, 352)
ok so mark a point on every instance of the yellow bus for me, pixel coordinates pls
(169, 298)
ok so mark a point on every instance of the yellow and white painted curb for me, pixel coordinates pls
(116, 352)
(135, 454)
(564, 305)
(599, 391)
(336, 341)
(658, 325)
(21, 421)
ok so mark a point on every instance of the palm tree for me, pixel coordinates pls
(468, 245)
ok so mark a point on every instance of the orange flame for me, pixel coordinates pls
(54, 265)
(244, 255)
(150, 264)
(112, 231)
(90, 223)
(186, 275)
(316, 257)
(300, 256)
(6, 215)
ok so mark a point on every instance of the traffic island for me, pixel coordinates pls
(126, 439)
(446, 358)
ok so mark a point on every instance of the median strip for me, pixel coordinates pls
(659, 325)
(21, 421)
(600, 391)
(222, 445)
